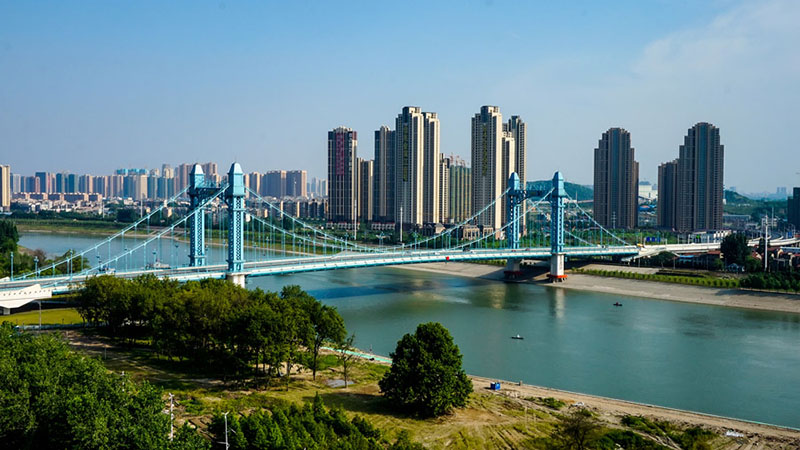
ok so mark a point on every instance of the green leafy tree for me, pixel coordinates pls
(326, 326)
(576, 431)
(345, 355)
(9, 237)
(296, 329)
(53, 398)
(426, 377)
(734, 249)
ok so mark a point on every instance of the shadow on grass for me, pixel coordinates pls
(359, 402)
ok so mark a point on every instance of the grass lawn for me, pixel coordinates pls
(489, 420)
(49, 316)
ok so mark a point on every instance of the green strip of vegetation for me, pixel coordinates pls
(59, 316)
(774, 281)
(677, 279)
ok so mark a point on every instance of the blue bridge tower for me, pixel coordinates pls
(517, 194)
(234, 199)
(199, 192)
(557, 228)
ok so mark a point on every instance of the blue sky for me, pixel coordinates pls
(92, 86)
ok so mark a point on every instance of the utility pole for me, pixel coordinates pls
(401, 224)
(766, 244)
(171, 416)
(227, 445)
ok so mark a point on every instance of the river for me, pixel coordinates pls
(731, 362)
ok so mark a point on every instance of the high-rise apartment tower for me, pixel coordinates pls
(342, 171)
(616, 181)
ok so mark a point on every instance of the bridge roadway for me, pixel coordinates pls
(19, 292)
(64, 283)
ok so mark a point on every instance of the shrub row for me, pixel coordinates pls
(678, 279)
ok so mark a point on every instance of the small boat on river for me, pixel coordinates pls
(618, 304)
(517, 337)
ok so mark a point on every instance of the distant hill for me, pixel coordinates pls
(576, 191)
(733, 198)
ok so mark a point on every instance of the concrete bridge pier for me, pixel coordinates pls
(6, 311)
(236, 278)
(513, 264)
(557, 268)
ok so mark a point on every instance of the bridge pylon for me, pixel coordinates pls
(198, 191)
(557, 197)
(234, 198)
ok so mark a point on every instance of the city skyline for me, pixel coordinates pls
(73, 102)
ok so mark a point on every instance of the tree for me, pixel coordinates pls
(734, 249)
(576, 431)
(54, 398)
(327, 326)
(9, 237)
(426, 377)
(344, 348)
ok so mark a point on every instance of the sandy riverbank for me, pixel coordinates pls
(734, 298)
(612, 410)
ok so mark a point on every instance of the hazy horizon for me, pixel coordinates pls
(90, 87)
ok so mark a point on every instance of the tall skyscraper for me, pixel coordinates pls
(508, 165)
(210, 169)
(365, 190)
(296, 183)
(430, 168)
(667, 195)
(342, 170)
(460, 190)
(16, 183)
(444, 189)
(793, 209)
(409, 157)
(519, 131)
(383, 176)
(616, 181)
(274, 183)
(182, 175)
(5, 187)
(700, 173)
(86, 184)
(487, 175)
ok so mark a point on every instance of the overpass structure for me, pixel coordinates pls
(539, 226)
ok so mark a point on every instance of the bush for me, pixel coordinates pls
(551, 402)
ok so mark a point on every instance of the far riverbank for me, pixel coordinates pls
(734, 298)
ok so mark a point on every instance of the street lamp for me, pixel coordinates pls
(36, 265)
(12, 265)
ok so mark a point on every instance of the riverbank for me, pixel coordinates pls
(612, 410)
(734, 298)
(516, 416)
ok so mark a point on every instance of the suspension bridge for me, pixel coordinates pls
(260, 239)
